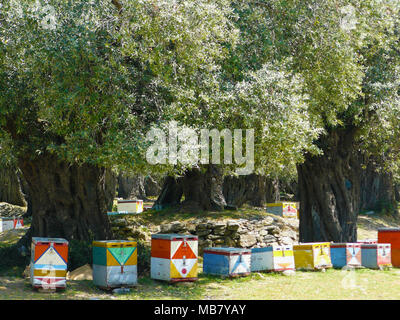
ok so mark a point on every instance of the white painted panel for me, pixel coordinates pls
(160, 269)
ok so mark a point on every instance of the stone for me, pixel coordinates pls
(269, 239)
(289, 273)
(165, 228)
(10, 210)
(203, 233)
(286, 240)
(120, 222)
(247, 240)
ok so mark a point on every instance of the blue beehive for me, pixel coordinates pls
(346, 254)
(226, 261)
(376, 256)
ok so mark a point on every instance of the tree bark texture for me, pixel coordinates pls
(68, 200)
(377, 188)
(329, 189)
(253, 189)
(10, 186)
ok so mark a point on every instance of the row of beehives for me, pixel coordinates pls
(174, 257)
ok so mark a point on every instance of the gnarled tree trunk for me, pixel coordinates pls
(377, 188)
(171, 193)
(253, 189)
(131, 186)
(68, 200)
(10, 187)
(329, 187)
(202, 188)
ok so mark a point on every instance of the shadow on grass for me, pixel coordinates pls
(377, 221)
(172, 214)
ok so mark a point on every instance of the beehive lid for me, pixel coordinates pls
(305, 245)
(54, 240)
(344, 244)
(129, 201)
(374, 245)
(273, 247)
(389, 230)
(227, 250)
(114, 243)
(173, 236)
(6, 218)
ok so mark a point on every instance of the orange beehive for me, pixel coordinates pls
(392, 236)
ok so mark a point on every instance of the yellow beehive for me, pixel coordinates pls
(283, 209)
(312, 256)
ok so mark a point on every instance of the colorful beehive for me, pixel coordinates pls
(283, 209)
(48, 267)
(392, 236)
(225, 261)
(174, 257)
(130, 206)
(272, 258)
(346, 254)
(11, 223)
(312, 255)
(376, 256)
(114, 263)
(368, 241)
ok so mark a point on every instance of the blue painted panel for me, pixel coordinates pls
(215, 264)
(260, 250)
(369, 258)
(338, 257)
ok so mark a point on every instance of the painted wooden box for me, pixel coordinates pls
(227, 261)
(392, 236)
(312, 255)
(114, 263)
(272, 258)
(49, 259)
(376, 256)
(346, 254)
(130, 206)
(174, 257)
(10, 223)
(283, 209)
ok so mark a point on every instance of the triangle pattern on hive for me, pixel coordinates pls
(50, 256)
(121, 255)
(181, 270)
(353, 253)
(184, 251)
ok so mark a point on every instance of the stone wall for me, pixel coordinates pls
(243, 233)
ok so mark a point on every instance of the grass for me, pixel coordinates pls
(330, 285)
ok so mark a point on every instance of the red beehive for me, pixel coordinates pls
(392, 236)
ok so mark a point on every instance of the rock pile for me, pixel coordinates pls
(243, 233)
(9, 210)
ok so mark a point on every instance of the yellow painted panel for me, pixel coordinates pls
(111, 261)
(193, 272)
(303, 259)
(174, 272)
(49, 273)
(280, 253)
(132, 259)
